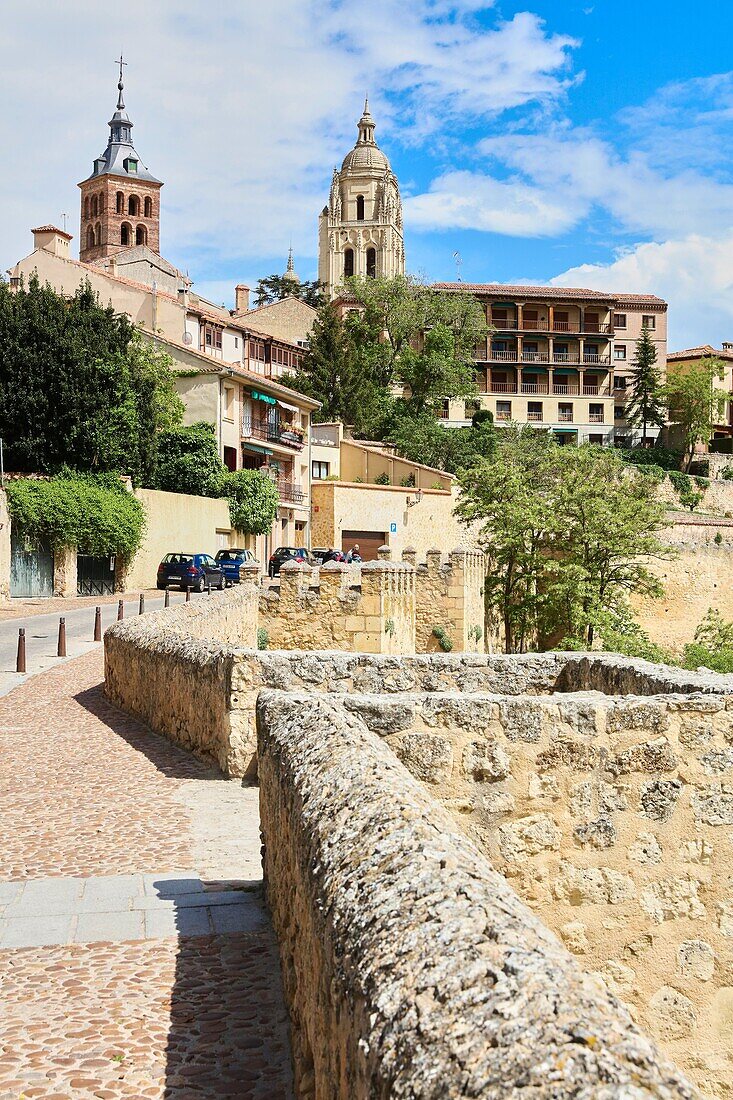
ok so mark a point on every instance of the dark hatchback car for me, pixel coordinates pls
(190, 571)
(322, 554)
(230, 560)
(287, 553)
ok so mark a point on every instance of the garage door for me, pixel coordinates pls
(369, 542)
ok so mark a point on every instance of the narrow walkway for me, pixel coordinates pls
(137, 957)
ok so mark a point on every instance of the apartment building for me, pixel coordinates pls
(560, 358)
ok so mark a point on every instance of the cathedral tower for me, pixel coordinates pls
(120, 201)
(360, 231)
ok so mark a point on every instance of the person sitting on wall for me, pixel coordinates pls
(353, 554)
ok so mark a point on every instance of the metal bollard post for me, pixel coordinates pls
(120, 610)
(167, 596)
(142, 603)
(97, 624)
(208, 588)
(61, 647)
(20, 659)
(188, 593)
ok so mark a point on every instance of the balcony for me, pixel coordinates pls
(272, 432)
(290, 493)
(564, 417)
(595, 418)
(532, 324)
(536, 416)
(560, 389)
(535, 387)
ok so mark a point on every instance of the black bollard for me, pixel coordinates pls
(142, 603)
(188, 593)
(120, 610)
(97, 624)
(20, 659)
(167, 597)
(61, 647)
(208, 588)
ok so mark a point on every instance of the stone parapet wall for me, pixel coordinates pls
(449, 595)
(611, 816)
(321, 609)
(410, 967)
(174, 669)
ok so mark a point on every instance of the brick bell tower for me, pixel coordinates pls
(120, 201)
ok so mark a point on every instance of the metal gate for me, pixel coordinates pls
(31, 567)
(95, 576)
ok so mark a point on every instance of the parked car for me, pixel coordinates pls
(322, 554)
(287, 553)
(230, 560)
(190, 571)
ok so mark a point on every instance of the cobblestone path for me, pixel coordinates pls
(136, 954)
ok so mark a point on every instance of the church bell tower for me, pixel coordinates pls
(360, 231)
(120, 201)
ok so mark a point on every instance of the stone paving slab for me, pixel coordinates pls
(64, 911)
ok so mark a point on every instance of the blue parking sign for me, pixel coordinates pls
(393, 528)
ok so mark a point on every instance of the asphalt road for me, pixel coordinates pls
(41, 634)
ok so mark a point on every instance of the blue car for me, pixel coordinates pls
(194, 571)
(230, 560)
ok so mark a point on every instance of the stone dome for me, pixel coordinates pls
(365, 156)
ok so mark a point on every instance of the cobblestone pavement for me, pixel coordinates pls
(136, 955)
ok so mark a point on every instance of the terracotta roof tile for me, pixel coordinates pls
(52, 229)
(699, 353)
(549, 292)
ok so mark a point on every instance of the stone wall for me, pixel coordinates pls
(4, 547)
(410, 967)
(697, 579)
(321, 609)
(174, 669)
(450, 595)
(611, 817)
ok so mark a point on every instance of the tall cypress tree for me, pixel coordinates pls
(646, 406)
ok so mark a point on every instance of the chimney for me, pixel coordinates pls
(241, 298)
(51, 239)
(727, 345)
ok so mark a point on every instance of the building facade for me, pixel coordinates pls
(360, 230)
(679, 360)
(560, 358)
(120, 200)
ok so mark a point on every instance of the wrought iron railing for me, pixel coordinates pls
(272, 431)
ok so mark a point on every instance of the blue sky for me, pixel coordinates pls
(584, 143)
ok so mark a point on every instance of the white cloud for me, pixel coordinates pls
(694, 274)
(470, 200)
(243, 109)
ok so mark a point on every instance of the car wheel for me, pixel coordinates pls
(161, 586)
(199, 586)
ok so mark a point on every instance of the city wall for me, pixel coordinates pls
(410, 967)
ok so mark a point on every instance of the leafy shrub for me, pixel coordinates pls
(263, 638)
(656, 473)
(93, 512)
(389, 627)
(713, 644)
(718, 538)
(382, 479)
(408, 482)
(727, 473)
(253, 501)
(444, 641)
(653, 456)
(682, 483)
(702, 482)
(188, 462)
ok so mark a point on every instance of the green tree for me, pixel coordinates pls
(713, 644)
(570, 533)
(646, 406)
(694, 402)
(509, 499)
(275, 287)
(253, 501)
(332, 374)
(78, 385)
(424, 439)
(188, 461)
(608, 519)
(412, 337)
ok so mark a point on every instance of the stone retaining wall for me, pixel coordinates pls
(611, 816)
(410, 967)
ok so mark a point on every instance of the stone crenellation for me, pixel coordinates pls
(395, 608)
(414, 969)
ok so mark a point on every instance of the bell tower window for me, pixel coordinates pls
(348, 262)
(371, 263)
(133, 206)
(125, 233)
(141, 235)
(120, 203)
(90, 237)
(148, 207)
(360, 208)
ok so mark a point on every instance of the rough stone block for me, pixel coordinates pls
(426, 755)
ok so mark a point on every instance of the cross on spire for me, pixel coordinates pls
(120, 86)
